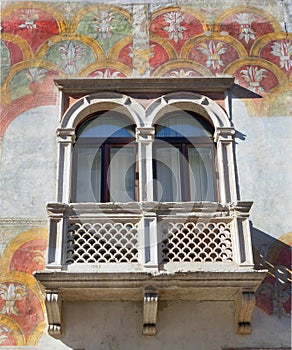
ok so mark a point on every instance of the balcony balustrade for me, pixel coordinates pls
(129, 237)
(150, 251)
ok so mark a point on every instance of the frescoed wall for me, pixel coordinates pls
(43, 40)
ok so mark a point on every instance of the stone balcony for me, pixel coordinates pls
(150, 250)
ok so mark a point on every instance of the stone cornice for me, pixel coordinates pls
(142, 85)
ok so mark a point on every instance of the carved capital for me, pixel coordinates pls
(150, 312)
(53, 307)
(145, 135)
(245, 306)
(224, 134)
(240, 209)
(65, 136)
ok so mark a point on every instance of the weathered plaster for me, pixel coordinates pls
(264, 162)
(28, 169)
(181, 325)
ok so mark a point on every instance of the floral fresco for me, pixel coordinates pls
(279, 51)
(256, 78)
(21, 301)
(32, 24)
(246, 27)
(213, 54)
(177, 27)
(106, 27)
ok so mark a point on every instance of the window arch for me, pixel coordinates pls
(104, 159)
(184, 158)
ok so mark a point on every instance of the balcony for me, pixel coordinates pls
(170, 251)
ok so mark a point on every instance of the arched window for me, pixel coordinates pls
(184, 159)
(104, 159)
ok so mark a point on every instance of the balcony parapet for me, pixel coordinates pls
(150, 251)
(149, 236)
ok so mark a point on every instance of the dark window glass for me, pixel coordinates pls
(184, 159)
(104, 160)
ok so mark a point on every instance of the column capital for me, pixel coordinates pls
(65, 135)
(145, 134)
(224, 134)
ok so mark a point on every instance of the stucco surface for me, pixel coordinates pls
(181, 325)
(28, 169)
(264, 162)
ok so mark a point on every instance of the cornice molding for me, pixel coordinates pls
(143, 85)
(23, 222)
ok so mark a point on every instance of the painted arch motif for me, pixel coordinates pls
(246, 24)
(22, 312)
(32, 23)
(176, 25)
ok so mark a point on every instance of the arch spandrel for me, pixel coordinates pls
(187, 101)
(102, 101)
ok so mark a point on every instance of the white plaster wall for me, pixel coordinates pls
(264, 162)
(28, 165)
(185, 325)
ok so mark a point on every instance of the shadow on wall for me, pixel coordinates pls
(274, 294)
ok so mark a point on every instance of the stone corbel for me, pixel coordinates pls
(244, 308)
(150, 311)
(53, 307)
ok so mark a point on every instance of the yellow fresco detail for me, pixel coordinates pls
(141, 59)
(177, 64)
(29, 64)
(21, 43)
(260, 12)
(287, 239)
(36, 334)
(105, 64)
(234, 66)
(278, 102)
(42, 6)
(172, 54)
(15, 328)
(116, 49)
(259, 44)
(189, 10)
(72, 26)
(85, 39)
(25, 279)
(17, 242)
(239, 48)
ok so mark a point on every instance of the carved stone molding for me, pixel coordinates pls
(150, 311)
(245, 306)
(235, 286)
(145, 135)
(65, 135)
(53, 307)
(23, 222)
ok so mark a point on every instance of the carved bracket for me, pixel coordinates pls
(245, 306)
(150, 312)
(53, 307)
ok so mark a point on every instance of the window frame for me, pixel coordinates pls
(105, 144)
(80, 98)
(183, 144)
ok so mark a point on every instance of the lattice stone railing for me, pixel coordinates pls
(101, 242)
(196, 242)
(149, 236)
